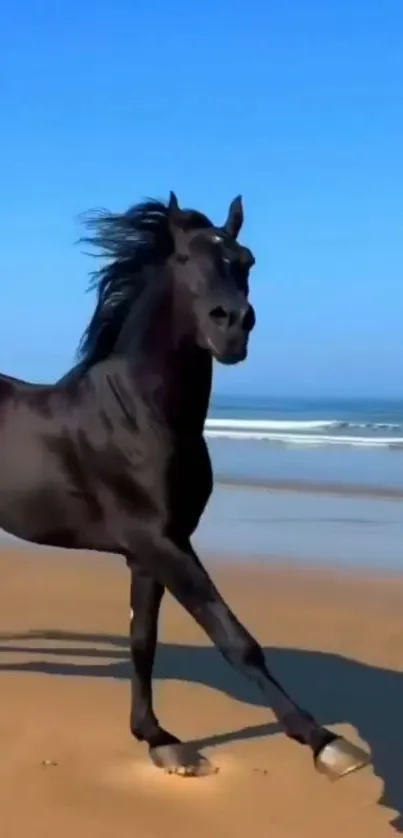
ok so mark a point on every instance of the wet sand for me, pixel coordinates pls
(308, 527)
(68, 765)
(313, 487)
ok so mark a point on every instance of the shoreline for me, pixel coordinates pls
(307, 486)
(308, 569)
(295, 523)
(289, 524)
(220, 563)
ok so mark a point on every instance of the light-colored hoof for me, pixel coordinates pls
(182, 759)
(341, 757)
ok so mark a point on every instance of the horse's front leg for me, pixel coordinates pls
(166, 750)
(179, 570)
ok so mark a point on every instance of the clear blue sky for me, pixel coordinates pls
(298, 104)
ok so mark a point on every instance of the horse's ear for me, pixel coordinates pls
(234, 220)
(173, 206)
(175, 226)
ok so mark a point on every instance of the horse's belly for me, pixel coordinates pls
(33, 513)
(37, 498)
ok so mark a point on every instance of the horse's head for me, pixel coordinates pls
(158, 252)
(212, 270)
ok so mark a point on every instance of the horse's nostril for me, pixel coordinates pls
(219, 315)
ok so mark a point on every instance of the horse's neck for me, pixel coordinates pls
(168, 369)
(190, 394)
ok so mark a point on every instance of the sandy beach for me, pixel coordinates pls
(69, 766)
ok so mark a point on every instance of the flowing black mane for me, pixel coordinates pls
(130, 242)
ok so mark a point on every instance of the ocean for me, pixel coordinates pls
(353, 422)
(306, 480)
(343, 441)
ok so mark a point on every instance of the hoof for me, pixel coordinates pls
(340, 757)
(182, 759)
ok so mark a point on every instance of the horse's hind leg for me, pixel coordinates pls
(165, 749)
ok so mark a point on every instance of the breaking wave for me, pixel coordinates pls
(309, 432)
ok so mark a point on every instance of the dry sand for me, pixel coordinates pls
(68, 766)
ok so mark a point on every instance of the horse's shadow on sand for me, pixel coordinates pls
(336, 689)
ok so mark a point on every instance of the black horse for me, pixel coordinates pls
(113, 457)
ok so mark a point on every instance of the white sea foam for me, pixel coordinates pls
(271, 424)
(308, 432)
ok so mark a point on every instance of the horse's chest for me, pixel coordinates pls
(189, 483)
